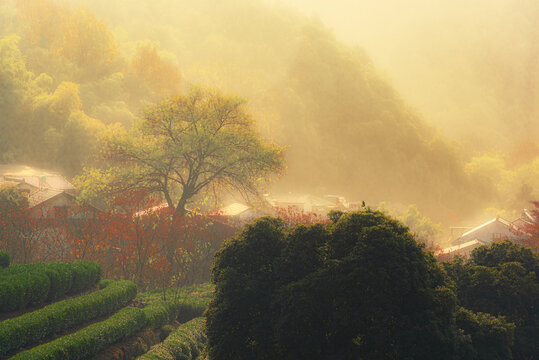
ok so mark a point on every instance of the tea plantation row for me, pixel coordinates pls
(32, 327)
(23, 286)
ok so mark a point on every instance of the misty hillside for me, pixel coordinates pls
(346, 129)
(470, 66)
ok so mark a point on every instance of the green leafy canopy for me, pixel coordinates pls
(189, 143)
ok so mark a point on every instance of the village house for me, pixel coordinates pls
(50, 203)
(496, 229)
(50, 195)
(54, 212)
(463, 249)
(493, 230)
(238, 212)
(30, 179)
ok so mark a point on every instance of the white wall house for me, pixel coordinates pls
(494, 230)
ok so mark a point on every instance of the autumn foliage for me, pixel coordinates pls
(532, 229)
(293, 216)
(160, 76)
(76, 35)
(139, 240)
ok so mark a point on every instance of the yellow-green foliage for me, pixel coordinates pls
(186, 343)
(420, 225)
(206, 127)
(31, 327)
(514, 185)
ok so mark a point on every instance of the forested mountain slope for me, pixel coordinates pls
(74, 70)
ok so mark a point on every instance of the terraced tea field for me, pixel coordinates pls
(64, 311)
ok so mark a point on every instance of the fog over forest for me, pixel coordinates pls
(460, 63)
(417, 102)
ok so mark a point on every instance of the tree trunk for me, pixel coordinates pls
(180, 208)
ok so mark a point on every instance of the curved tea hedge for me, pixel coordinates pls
(159, 313)
(185, 343)
(90, 340)
(189, 302)
(26, 285)
(190, 307)
(32, 327)
(4, 259)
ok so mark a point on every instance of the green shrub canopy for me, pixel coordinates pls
(24, 285)
(358, 288)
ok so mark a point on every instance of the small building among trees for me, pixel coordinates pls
(50, 194)
(494, 230)
(29, 179)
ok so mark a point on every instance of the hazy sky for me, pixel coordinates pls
(367, 22)
(375, 25)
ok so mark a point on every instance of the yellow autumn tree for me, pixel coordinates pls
(42, 20)
(87, 42)
(160, 76)
(76, 35)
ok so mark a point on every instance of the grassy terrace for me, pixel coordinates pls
(34, 326)
(183, 305)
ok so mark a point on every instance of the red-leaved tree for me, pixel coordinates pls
(532, 241)
(139, 239)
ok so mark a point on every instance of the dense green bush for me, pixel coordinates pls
(35, 326)
(189, 302)
(85, 274)
(190, 307)
(90, 340)
(23, 289)
(26, 285)
(4, 259)
(491, 336)
(502, 280)
(185, 343)
(104, 283)
(359, 288)
(159, 313)
(166, 330)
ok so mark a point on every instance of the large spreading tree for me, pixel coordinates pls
(360, 288)
(183, 146)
